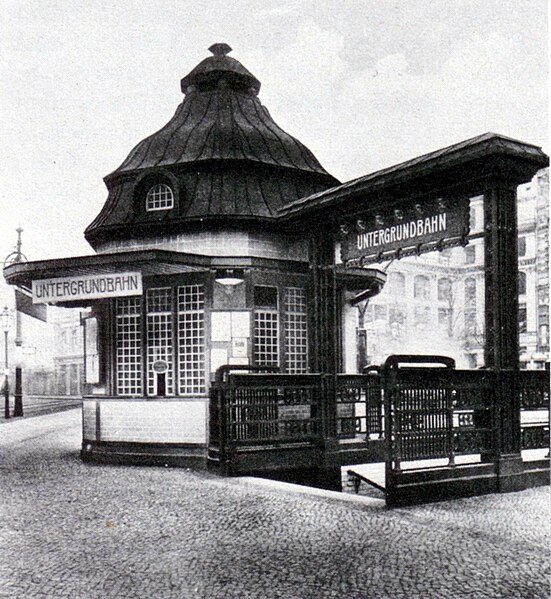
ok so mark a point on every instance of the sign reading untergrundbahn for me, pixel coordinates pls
(416, 226)
(68, 289)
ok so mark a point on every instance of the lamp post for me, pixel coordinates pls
(6, 323)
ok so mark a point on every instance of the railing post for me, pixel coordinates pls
(450, 397)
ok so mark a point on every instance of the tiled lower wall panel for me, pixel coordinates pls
(89, 420)
(153, 421)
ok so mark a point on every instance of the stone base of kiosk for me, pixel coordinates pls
(168, 431)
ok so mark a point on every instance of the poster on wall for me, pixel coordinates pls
(91, 353)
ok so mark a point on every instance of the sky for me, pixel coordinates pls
(365, 84)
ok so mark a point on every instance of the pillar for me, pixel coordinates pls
(501, 313)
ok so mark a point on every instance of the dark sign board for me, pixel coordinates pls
(24, 304)
(420, 226)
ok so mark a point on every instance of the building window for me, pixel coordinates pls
(296, 331)
(473, 360)
(543, 337)
(470, 254)
(379, 312)
(266, 326)
(472, 218)
(470, 292)
(470, 322)
(159, 338)
(397, 282)
(522, 318)
(444, 318)
(191, 339)
(521, 282)
(159, 197)
(421, 287)
(521, 246)
(444, 289)
(128, 346)
(444, 257)
(397, 322)
(422, 316)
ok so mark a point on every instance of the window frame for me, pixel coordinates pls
(143, 389)
(151, 190)
(283, 285)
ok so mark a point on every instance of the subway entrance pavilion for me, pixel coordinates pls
(226, 306)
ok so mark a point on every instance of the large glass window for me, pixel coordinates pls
(159, 338)
(191, 339)
(128, 349)
(296, 331)
(174, 334)
(266, 326)
(280, 336)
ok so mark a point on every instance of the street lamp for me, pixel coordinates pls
(6, 323)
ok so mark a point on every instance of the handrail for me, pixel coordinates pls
(393, 361)
(225, 369)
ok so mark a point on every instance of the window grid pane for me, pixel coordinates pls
(129, 347)
(266, 338)
(159, 337)
(191, 339)
(296, 331)
(159, 197)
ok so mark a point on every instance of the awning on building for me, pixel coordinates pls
(368, 282)
(146, 262)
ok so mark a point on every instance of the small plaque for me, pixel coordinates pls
(160, 366)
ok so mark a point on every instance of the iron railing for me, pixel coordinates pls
(534, 401)
(260, 409)
(427, 413)
(359, 405)
(437, 413)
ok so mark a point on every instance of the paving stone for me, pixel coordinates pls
(70, 530)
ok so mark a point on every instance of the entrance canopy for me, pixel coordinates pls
(144, 262)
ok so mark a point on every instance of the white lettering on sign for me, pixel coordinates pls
(66, 289)
(402, 231)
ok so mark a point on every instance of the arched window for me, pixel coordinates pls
(521, 282)
(159, 197)
(444, 289)
(421, 287)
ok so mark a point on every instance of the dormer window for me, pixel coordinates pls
(159, 197)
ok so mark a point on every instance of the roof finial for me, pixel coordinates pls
(220, 49)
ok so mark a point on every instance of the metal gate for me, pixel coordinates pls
(441, 429)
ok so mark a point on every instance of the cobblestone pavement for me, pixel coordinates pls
(70, 530)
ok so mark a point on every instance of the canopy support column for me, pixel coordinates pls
(502, 331)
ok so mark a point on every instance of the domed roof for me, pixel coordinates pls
(226, 123)
(220, 140)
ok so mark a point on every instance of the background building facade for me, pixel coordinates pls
(434, 303)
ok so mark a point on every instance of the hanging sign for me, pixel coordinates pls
(419, 226)
(68, 289)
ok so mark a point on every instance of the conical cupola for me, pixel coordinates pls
(221, 158)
